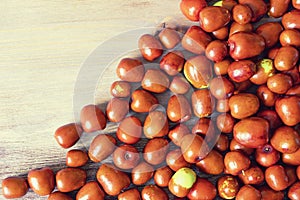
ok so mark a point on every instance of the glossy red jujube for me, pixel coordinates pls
(156, 124)
(192, 8)
(41, 181)
(101, 147)
(203, 103)
(132, 194)
(235, 162)
(92, 118)
(117, 109)
(129, 130)
(213, 18)
(155, 80)
(14, 187)
(198, 71)
(67, 135)
(266, 155)
(126, 157)
(70, 179)
(276, 177)
(142, 101)
(112, 180)
(195, 40)
(172, 63)
(150, 47)
(243, 105)
(91, 191)
(244, 133)
(245, 45)
(169, 37)
(155, 151)
(285, 140)
(142, 173)
(179, 109)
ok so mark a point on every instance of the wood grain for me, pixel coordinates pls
(42, 47)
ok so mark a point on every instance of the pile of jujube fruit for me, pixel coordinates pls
(229, 127)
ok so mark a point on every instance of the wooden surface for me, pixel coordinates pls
(42, 46)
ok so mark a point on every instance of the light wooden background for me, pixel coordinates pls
(42, 46)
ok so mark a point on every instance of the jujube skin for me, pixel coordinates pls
(67, 135)
(216, 50)
(290, 37)
(117, 109)
(142, 173)
(90, 190)
(179, 85)
(153, 192)
(132, 194)
(213, 18)
(14, 187)
(142, 101)
(222, 143)
(279, 83)
(242, 14)
(243, 105)
(126, 157)
(195, 40)
(155, 151)
(191, 8)
(155, 81)
(259, 8)
(156, 124)
(202, 189)
(130, 70)
(169, 37)
(213, 163)
(236, 162)
(276, 177)
(179, 109)
(162, 176)
(129, 130)
(175, 160)
(76, 158)
(285, 140)
(267, 193)
(70, 179)
(248, 191)
(266, 155)
(228, 187)
(150, 47)
(293, 192)
(59, 196)
(92, 118)
(270, 31)
(101, 147)
(272, 117)
(120, 89)
(172, 63)
(240, 41)
(290, 20)
(112, 180)
(249, 137)
(253, 176)
(41, 181)
(236, 27)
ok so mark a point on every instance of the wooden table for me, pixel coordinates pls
(42, 47)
